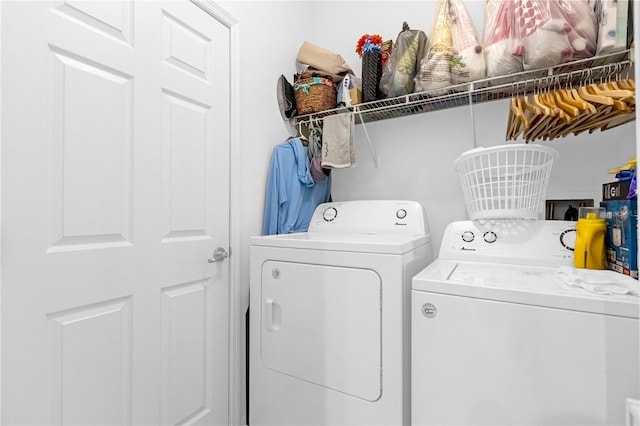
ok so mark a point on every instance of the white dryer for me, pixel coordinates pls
(498, 338)
(330, 319)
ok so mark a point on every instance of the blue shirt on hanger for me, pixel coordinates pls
(292, 194)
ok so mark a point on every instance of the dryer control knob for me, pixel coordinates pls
(330, 214)
(401, 214)
(467, 236)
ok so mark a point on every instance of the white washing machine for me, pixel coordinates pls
(330, 319)
(497, 338)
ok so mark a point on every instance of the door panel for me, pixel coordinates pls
(115, 152)
(91, 153)
(187, 356)
(78, 338)
(185, 48)
(113, 19)
(186, 166)
(323, 324)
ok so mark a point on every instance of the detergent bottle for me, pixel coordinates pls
(590, 232)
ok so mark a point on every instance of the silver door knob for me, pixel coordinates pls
(218, 255)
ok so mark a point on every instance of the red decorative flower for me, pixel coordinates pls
(368, 42)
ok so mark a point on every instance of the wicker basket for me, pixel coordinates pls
(315, 94)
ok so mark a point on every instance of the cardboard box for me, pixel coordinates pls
(356, 96)
(615, 190)
(621, 241)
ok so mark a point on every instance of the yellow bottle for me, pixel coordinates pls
(590, 232)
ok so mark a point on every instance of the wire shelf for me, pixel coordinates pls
(490, 89)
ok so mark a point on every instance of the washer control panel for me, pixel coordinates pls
(370, 217)
(535, 242)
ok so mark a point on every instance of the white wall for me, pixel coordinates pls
(415, 154)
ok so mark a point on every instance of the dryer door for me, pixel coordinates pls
(322, 324)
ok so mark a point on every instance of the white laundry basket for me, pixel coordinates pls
(506, 181)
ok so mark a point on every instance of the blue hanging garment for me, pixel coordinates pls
(292, 194)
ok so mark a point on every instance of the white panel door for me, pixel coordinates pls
(115, 145)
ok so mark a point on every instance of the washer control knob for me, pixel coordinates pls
(401, 214)
(467, 236)
(330, 214)
(490, 237)
(568, 239)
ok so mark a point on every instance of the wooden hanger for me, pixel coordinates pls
(539, 126)
(595, 121)
(593, 97)
(576, 101)
(552, 123)
(627, 84)
(590, 121)
(524, 122)
(584, 104)
(557, 106)
(594, 114)
(627, 95)
(512, 120)
(564, 118)
(572, 114)
(611, 121)
(558, 113)
(538, 99)
(518, 121)
(618, 122)
(529, 105)
(567, 106)
(541, 114)
(604, 89)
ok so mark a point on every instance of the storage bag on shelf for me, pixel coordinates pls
(435, 70)
(536, 34)
(581, 26)
(400, 70)
(455, 53)
(542, 32)
(468, 62)
(499, 38)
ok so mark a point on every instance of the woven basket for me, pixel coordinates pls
(315, 94)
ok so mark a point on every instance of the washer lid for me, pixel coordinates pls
(361, 243)
(529, 285)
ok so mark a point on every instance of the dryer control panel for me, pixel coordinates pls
(524, 242)
(377, 217)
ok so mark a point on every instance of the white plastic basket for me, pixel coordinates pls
(506, 181)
